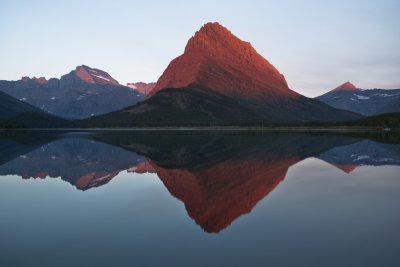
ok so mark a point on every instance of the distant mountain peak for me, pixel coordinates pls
(81, 93)
(347, 86)
(216, 59)
(142, 87)
(40, 80)
(367, 102)
(93, 75)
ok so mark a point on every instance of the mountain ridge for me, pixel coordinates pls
(10, 107)
(368, 102)
(142, 87)
(82, 93)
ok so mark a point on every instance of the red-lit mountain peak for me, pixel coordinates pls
(216, 59)
(347, 86)
(92, 75)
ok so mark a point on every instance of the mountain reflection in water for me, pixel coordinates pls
(219, 176)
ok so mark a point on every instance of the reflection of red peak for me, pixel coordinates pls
(41, 175)
(348, 168)
(347, 86)
(142, 167)
(217, 195)
(216, 59)
(94, 179)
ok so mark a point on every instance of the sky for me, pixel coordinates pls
(317, 45)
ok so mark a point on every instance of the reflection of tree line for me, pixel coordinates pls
(219, 176)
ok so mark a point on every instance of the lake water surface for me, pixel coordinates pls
(183, 198)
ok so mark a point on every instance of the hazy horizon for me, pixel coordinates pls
(316, 45)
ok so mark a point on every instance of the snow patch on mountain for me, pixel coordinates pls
(381, 95)
(101, 77)
(361, 97)
(131, 86)
(362, 157)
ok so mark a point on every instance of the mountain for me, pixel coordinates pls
(82, 93)
(15, 113)
(220, 79)
(367, 102)
(11, 107)
(216, 59)
(347, 86)
(143, 88)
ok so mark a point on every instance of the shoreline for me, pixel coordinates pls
(312, 129)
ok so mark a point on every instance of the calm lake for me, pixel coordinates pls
(199, 198)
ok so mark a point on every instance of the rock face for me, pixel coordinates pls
(143, 88)
(367, 102)
(92, 76)
(216, 59)
(82, 93)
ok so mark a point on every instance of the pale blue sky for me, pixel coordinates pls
(316, 44)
